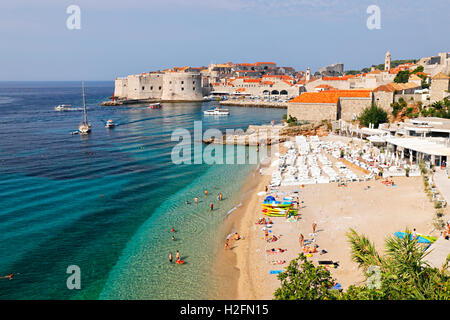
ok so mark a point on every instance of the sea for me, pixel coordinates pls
(90, 217)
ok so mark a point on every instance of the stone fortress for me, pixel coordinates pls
(174, 85)
(192, 84)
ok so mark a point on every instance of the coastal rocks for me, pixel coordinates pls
(254, 136)
(111, 103)
(310, 129)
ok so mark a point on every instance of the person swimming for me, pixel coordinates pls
(173, 238)
(173, 229)
(8, 276)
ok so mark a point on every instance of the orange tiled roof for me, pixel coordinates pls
(268, 82)
(240, 89)
(330, 96)
(420, 73)
(259, 63)
(279, 76)
(252, 80)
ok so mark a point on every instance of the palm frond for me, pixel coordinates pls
(363, 251)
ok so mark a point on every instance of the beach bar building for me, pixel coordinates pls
(432, 152)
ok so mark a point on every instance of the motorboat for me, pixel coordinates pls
(217, 112)
(63, 107)
(110, 124)
(156, 105)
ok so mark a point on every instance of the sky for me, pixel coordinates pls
(117, 38)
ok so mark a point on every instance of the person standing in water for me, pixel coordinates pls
(178, 257)
(206, 192)
(170, 257)
(196, 200)
(211, 206)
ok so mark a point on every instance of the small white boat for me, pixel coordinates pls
(110, 124)
(63, 107)
(217, 112)
(156, 105)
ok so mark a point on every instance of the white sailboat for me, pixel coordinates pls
(84, 127)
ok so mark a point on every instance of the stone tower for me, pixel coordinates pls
(308, 74)
(387, 62)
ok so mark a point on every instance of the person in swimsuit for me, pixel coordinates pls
(206, 192)
(170, 257)
(301, 239)
(196, 200)
(227, 245)
(178, 257)
(211, 206)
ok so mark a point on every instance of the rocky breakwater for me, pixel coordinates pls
(320, 128)
(254, 136)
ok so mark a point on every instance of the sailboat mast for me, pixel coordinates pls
(84, 104)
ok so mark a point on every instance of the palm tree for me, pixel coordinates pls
(404, 273)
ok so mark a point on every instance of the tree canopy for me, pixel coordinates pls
(399, 274)
(402, 76)
(374, 115)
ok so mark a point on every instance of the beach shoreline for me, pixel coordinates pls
(336, 210)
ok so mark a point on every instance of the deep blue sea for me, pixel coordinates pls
(106, 202)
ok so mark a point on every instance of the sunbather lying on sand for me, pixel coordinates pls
(238, 237)
(276, 250)
(308, 249)
(278, 262)
(264, 221)
(273, 238)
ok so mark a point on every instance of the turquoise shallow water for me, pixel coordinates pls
(107, 202)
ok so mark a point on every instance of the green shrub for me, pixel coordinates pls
(374, 115)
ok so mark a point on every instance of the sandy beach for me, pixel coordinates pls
(371, 208)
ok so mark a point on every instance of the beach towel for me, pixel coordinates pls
(420, 239)
(275, 271)
(337, 287)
